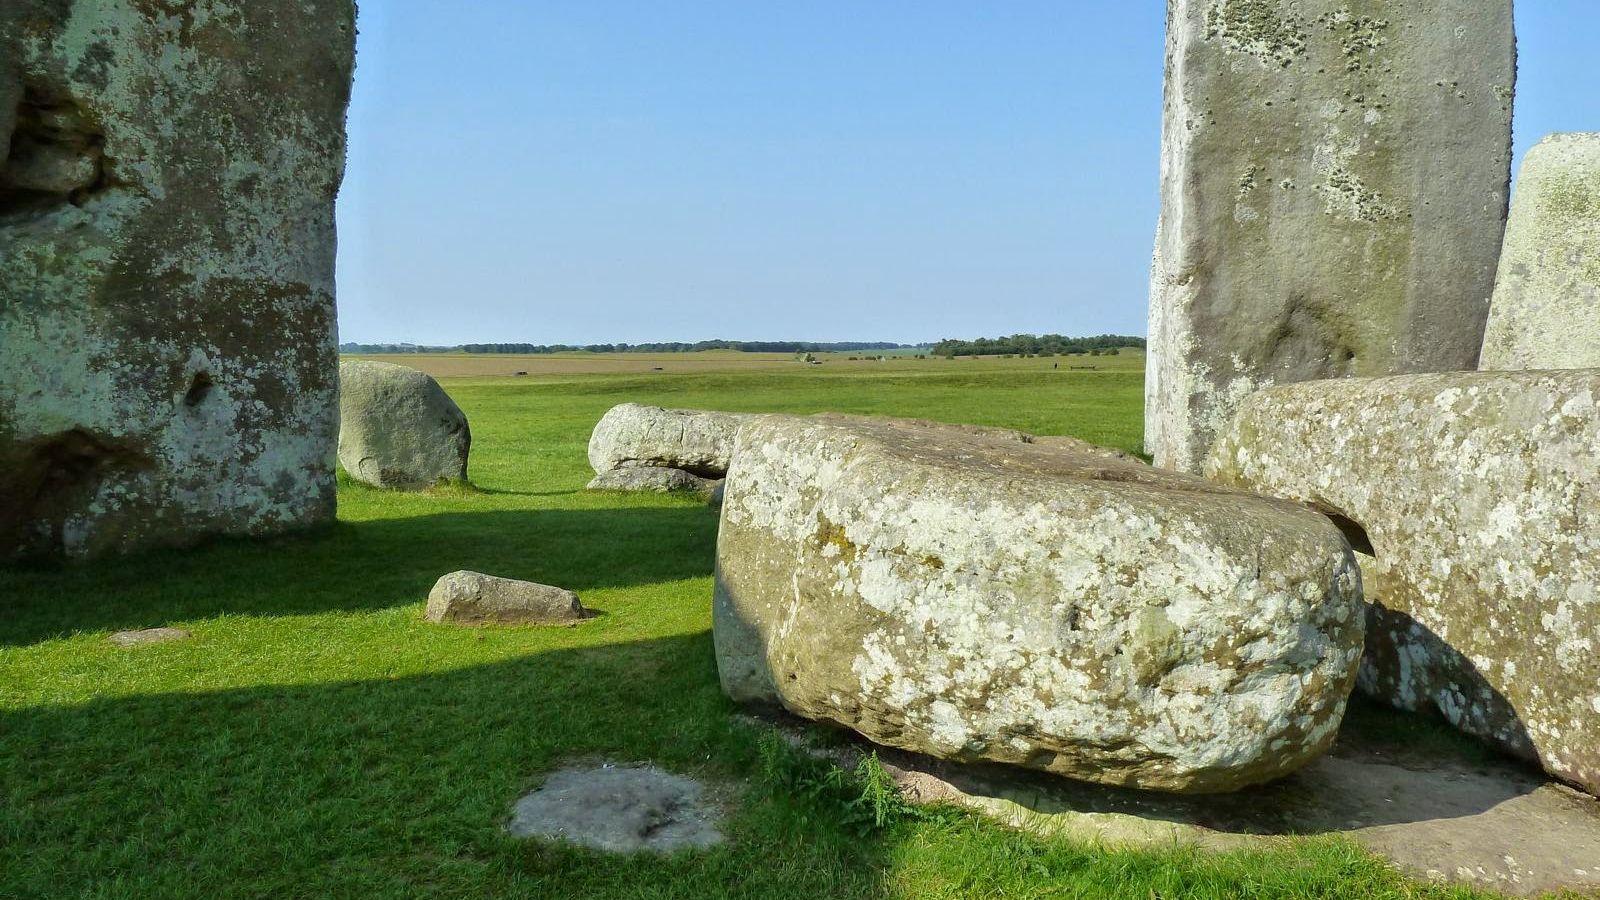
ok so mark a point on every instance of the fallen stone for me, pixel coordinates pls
(715, 499)
(651, 479)
(1546, 309)
(147, 636)
(167, 347)
(1334, 187)
(979, 598)
(472, 598)
(1473, 494)
(619, 809)
(398, 428)
(632, 435)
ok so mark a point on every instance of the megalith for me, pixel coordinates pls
(398, 428)
(168, 360)
(1472, 498)
(1546, 309)
(962, 593)
(1334, 182)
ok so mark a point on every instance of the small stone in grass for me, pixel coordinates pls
(472, 598)
(148, 636)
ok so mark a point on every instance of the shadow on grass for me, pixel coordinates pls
(394, 787)
(357, 566)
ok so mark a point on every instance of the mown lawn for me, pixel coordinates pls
(316, 738)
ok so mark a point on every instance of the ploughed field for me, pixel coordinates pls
(315, 737)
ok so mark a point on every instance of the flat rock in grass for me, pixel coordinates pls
(652, 479)
(632, 435)
(147, 636)
(973, 596)
(1474, 494)
(472, 598)
(619, 809)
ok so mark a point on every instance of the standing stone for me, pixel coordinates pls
(1546, 310)
(975, 597)
(1334, 183)
(1474, 497)
(167, 349)
(398, 428)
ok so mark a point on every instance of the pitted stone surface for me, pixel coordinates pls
(1476, 492)
(695, 441)
(167, 349)
(1546, 310)
(398, 428)
(1334, 187)
(975, 596)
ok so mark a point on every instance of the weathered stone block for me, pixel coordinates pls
(167, 349)
(977, 597)
(633, 435)
(1334, 185)
(1475, 493)
(1546, 310)
(398, 428)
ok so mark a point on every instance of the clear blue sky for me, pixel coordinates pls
(576, 171)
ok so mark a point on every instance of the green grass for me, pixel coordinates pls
(316, 738)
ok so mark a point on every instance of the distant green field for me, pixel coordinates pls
(316, 738)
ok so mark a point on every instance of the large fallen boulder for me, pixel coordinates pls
(168, 358)
(1475, 494)
(633, 435)
(975, 597)
(1546, 309)
(398, 428)
(1334, 178)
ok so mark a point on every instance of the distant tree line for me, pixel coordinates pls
(672, 347)
(1036, 345)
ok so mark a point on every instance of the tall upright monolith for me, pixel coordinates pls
(168, 358)
(1334, 186)
(1546, 310)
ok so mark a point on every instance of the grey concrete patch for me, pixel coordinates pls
(620, 809)
(148, 636)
